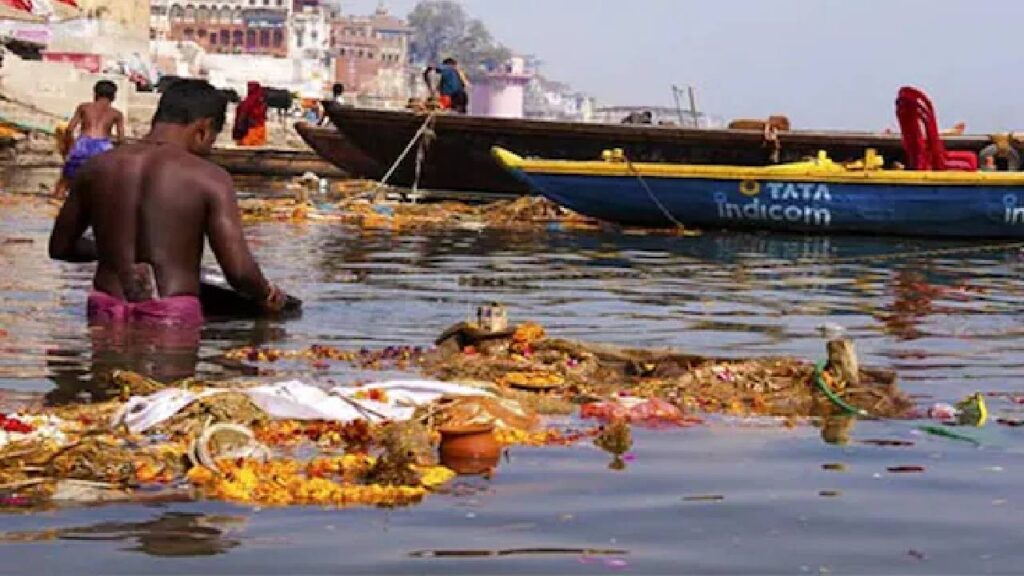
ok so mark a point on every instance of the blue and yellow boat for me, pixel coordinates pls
(818, 195)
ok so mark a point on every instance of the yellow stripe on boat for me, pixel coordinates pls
(820, 169)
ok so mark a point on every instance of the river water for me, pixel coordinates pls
(783, 500)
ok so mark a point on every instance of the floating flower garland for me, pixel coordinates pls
(29, 428)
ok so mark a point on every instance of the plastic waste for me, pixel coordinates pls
(971, 411)
(651, 412)
(295, 400)
(942, 412)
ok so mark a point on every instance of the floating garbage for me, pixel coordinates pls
(483, 388)
(522, 213)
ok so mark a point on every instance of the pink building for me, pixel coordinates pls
(501, 94)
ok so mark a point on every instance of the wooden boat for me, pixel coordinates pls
(458, 158)
(331, 145)
(276, 162)
(817, 195)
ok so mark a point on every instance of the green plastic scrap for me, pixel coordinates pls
(945, 432)
(819, 379)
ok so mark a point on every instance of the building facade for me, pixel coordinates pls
(257, 27)
(371, 54)
(132, 15)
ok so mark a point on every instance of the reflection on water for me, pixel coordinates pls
(172, 534)
(732, 496)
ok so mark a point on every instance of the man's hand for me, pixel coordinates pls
(276, 300)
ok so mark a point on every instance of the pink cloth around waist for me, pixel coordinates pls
(172, 311)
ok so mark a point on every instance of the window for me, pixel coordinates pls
(278, 38)
(265, 38)
(213, 37)
(225, 37)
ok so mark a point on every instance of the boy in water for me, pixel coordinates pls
(152, 206)
(98, 120)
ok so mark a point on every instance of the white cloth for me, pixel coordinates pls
(297, 400)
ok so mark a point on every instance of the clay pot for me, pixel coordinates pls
(469, 450)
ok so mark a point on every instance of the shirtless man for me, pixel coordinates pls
(98, 120)
(151, 205)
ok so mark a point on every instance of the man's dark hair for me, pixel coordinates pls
(338, 89)
(187, 101)
(105, 89)
(449, 62)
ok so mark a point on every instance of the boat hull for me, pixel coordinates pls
(333, 147)
(797, 203)
(459, 158)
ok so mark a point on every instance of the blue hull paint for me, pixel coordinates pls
(891, 209)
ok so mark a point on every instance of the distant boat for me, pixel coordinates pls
(817, 195)
(370, 141)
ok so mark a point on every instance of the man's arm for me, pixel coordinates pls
(119, 128)
(66, 241)
(76, 121)
(224, 229)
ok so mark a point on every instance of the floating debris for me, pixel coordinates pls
(519, 214)
(704, 498)
(906, 469)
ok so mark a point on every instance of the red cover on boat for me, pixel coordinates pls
(921, 140)
(25, 5)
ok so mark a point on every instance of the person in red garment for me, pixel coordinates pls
(251, 118)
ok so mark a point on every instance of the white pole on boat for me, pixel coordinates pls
(679, 105)
(693, 107)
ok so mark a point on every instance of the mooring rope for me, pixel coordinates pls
(650, 193)
(408, 148)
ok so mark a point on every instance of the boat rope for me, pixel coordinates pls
(650, 193)
(421, 156)
(408, 148)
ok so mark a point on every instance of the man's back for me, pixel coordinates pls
(451, 80)
(150, 205)
(147, 205)
(99, 118)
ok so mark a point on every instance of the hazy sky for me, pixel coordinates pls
(824, 63)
